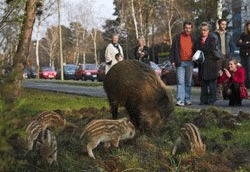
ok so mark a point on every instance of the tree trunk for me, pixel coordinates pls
(60, 38)
(11, 87)
(84, 57)
(141, 20)
(219, 12)
(26, 32)
(134, 18)
(37, 46)
(93, 35)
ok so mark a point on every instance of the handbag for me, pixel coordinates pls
(243, 92)
(198, 57)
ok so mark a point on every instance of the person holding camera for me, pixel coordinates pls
(141, 51)
(227, 46)
(234, 75)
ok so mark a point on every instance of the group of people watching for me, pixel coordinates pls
(219, 73)
(114, 52)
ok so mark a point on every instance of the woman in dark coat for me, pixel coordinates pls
(234, 75)
(244, 44)
(208, 71)
(141, 51)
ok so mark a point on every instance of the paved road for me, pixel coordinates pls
(66, 88)
(223, 104)
(99, 92)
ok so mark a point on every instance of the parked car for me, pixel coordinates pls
(155, 67)
(86, 72)
(32, 72)
(101, 72)
(47, 73)
(25, 73)
(168, 75)
(68, 71)
(29, 72)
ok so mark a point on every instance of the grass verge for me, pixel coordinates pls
(224, 140)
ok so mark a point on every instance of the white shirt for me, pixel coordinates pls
(110, 53)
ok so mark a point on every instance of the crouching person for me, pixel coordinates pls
(234, 75)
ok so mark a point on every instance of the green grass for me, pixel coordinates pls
(35, 100)
(144, 153)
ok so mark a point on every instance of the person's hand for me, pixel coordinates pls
(220, 72)
(227, 73)
(173, 65)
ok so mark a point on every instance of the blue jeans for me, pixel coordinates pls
(184, 81)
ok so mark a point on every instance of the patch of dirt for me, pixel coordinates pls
(240, 158)
(219, 157)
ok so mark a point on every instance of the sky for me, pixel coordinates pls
(104, 8)
(100, 9)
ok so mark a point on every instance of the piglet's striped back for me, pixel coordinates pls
(46, 146)
(50, 119)
(32, 130)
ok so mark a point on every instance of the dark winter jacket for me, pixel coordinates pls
(175, 49)
(244, 45)
(145, 58)
(209, 69)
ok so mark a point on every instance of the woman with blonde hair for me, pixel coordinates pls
(208, 71)
(141, 51)
(234, 75)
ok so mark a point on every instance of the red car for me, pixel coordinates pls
(47, 73)
(86, 72)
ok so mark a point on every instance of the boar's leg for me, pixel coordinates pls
(134, 112)
(114, 110)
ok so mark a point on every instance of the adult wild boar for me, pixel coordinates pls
(136, 86)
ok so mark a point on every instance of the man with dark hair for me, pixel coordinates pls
(226, 46)
(182, 51)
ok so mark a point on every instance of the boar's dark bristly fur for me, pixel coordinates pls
(136, 86)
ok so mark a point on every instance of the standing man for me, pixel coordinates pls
(141, 51)
(112, 49)
(226, 46)
(182, 51)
